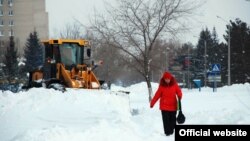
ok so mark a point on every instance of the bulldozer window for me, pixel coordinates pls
(56, 54)
(48, 51)
(68, 54)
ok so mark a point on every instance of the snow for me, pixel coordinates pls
(21, 61)
(105, 115)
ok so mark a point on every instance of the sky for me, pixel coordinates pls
(105, 115)
(62, 12)
(226, 9)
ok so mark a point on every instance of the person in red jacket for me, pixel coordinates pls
(167, 92)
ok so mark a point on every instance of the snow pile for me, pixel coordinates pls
(229, 105)
(105, 115)
(41, 113)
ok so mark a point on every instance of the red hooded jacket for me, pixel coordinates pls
(167, 94)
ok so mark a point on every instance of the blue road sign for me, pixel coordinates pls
(197, 83)
(216, 68)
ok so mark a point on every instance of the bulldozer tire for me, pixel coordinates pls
(57, 86)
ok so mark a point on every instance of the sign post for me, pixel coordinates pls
(215, 76)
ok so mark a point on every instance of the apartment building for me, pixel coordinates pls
(19, 18)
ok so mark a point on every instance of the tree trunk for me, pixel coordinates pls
(149, 90)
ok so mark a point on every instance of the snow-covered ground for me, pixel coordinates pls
(103, 115)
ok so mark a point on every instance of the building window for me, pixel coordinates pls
(11, 33)
(1, 12)
(1, 23)
(10, 12)
(11, 23)
(2, 43)
(10, 2)
(1, 2)
(1, 33)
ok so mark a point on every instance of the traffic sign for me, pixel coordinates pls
(216, 68)
(213, 76)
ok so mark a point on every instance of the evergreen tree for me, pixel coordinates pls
(33, 52)
(240, 50)
(204, 46)
(214, 53)
(1, 64)
(222, 60)
(218, 55)
(10, 61)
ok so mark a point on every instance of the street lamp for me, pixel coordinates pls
(229, 53)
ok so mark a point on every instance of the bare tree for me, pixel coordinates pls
(110, 56)
(163, 57)
(134, 26)
(71, 31)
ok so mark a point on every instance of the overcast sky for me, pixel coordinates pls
(62, 12)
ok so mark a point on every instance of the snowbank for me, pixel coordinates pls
(105, 115)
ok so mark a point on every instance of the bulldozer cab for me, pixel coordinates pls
(68, 62)
(68, 52)
(72, 54)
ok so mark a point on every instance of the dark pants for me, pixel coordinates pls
(169, 121)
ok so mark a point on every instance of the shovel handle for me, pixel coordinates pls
(179, 102)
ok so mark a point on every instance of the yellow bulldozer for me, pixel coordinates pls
(67, 63)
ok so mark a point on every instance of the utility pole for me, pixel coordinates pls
(166, 67)
(167, 59)
(188, 69)
(205, 63)
(229, 58)
(228, 53)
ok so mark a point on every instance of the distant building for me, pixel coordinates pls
(19, 18)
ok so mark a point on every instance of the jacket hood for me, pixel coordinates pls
(167, 75)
